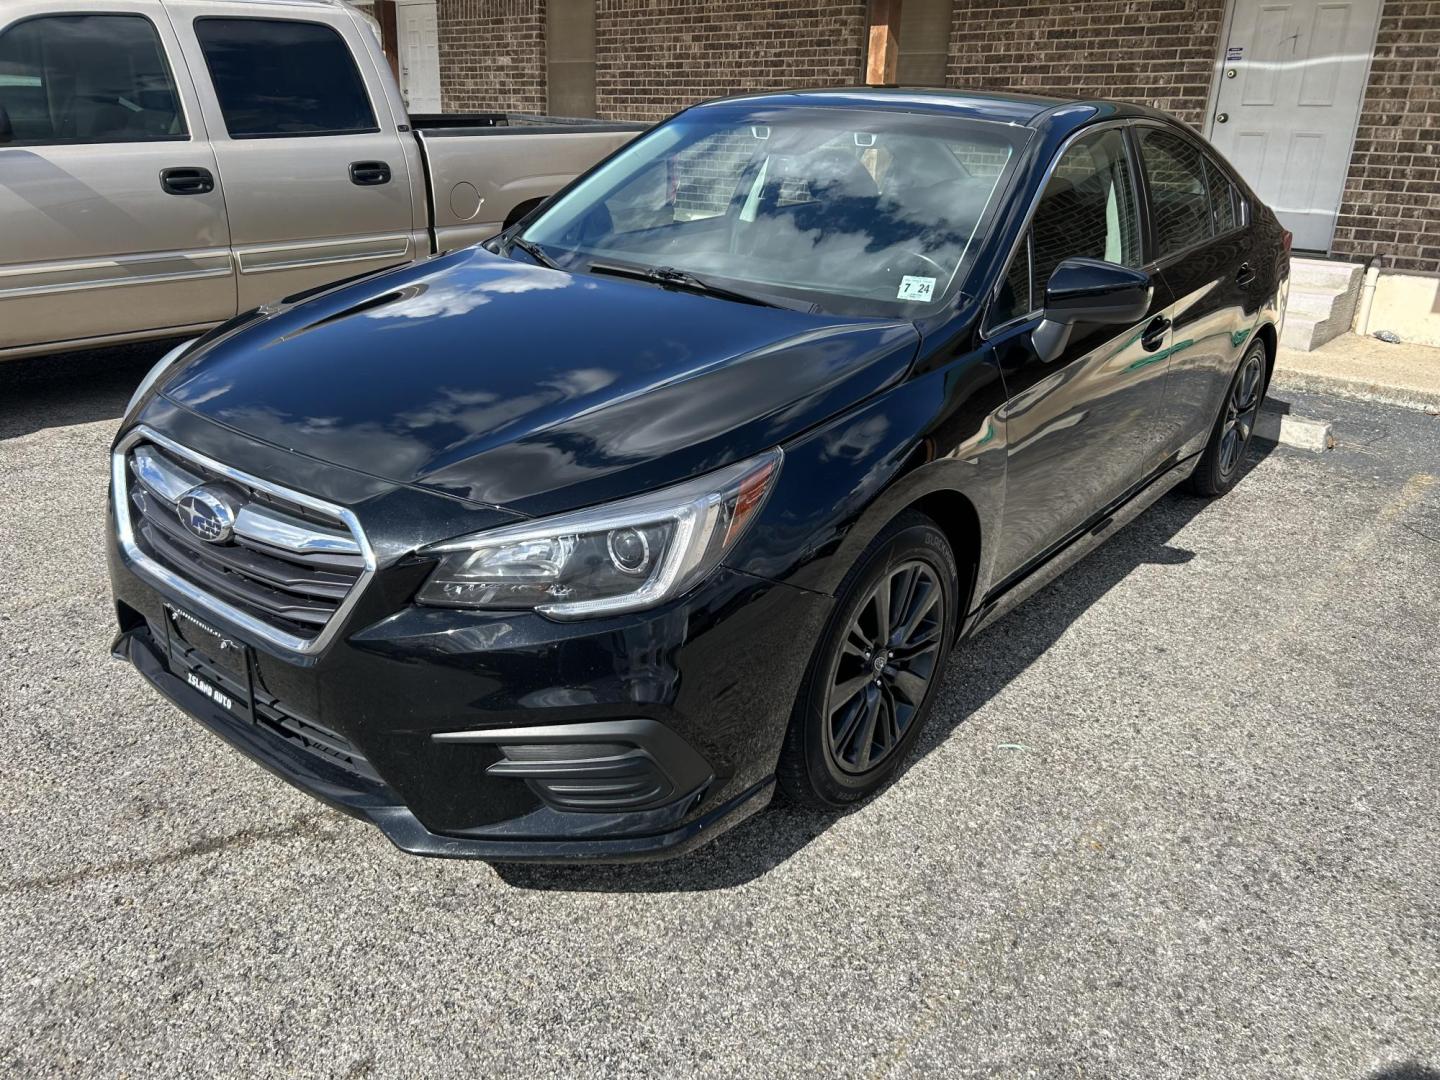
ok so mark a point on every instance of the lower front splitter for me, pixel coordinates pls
(378, 804)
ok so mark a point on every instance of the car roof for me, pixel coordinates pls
(1029, 110)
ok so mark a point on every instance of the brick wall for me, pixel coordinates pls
(1156, 52)
(655, 56)
(1392, 194)
(492, 55)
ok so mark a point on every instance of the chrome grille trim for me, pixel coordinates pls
(264, 525)
(162, 477)
(186, 592)
(280, 530)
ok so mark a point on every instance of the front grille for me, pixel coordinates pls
(278, 560)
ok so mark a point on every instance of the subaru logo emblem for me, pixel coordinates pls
(208, 513)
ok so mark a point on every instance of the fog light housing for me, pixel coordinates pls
(600, 766)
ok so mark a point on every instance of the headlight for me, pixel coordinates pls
(620, 557)
(153, 375)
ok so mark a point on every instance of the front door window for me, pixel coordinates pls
(1088, 209)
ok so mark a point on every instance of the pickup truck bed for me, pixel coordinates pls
(165, 164)
(525, 158)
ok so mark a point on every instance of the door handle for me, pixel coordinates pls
(369, 173)
(1154, 335)
(1245, 275)
(187, 181)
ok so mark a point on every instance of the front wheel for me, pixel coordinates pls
(872, 679)
(1220, 462)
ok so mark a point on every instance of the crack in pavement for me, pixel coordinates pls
(245, 838)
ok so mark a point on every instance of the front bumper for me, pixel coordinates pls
(466, 732)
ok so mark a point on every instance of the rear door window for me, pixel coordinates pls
(86, 79)
(1179, 191)
(279, 78)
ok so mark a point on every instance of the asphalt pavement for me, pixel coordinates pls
(1176, 816)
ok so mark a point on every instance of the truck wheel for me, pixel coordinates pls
(872, 679)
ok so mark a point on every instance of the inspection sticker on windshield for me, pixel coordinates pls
(916, 288)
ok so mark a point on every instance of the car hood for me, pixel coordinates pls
(510, 384)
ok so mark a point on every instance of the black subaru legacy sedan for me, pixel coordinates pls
(581, 543)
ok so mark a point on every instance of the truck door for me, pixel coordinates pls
(316, 181)
(111, 218)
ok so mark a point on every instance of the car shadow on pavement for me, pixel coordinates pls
(1406, 1070)
(977, 672)
(42, 392)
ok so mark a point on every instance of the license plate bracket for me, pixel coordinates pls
(210, 661)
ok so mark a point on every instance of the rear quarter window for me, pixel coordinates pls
(1224, 199)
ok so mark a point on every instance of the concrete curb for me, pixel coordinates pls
(1379, 393)
(1294, 431)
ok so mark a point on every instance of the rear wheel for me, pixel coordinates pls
(1220, 462)
(872, 679)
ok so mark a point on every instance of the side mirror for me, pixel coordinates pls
(1088, 291)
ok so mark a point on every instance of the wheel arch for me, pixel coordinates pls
(945, 492)
(955, 515)
(1267, 336)
(930, 444)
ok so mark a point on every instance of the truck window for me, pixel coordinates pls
(86, 79)
(278, 78)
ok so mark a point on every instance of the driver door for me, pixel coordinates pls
(1078, 427)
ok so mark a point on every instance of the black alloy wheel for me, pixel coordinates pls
(1242, 406)
(872, 677)
(886, 665)
(1223, 458)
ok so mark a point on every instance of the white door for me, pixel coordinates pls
(1287, 101)
(419, 36)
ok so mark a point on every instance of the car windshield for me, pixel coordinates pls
(853, 211)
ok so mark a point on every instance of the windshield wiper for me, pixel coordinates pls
(672, 278)
(533, 250)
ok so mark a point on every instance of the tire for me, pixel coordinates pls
(832, 758)
(1223, 458)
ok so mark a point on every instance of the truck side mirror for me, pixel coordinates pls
(1088, 291)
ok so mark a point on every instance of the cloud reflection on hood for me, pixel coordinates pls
(442, 297)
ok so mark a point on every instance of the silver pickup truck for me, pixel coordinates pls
(165, 164)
